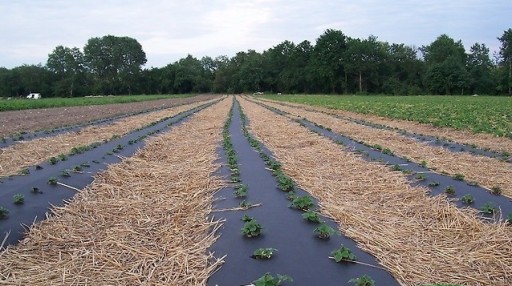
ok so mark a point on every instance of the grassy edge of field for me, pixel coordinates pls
(22, 104)
(482, 114)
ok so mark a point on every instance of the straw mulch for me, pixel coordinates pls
(419, 239)
(47, 118)
(482, 140)
(141, 222)
(29, 153)
(486, 171)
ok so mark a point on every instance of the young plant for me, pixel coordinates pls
(251, 228)
(311, 216)
(420, 177)
(496, 190)
(291, 195)
(52, 181)
(285, 183)
(364, 280)
(240, 191)
(263, 253)
(488, 208)
(450, 191)
(458, 177)
(235, 178)
(62, 157)
(324, 231)
(53, 160)
(24, 171)
(303, 203)
(423, 164)
(467, 199)
(343, 254)
(18, 199)
(396, 167)
(433, 184)
(3, 212)
(269, 280)
(65, 173)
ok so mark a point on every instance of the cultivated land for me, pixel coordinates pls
(154, 218)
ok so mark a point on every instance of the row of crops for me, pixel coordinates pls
(299, 195)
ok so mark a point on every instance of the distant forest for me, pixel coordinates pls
(335, 64)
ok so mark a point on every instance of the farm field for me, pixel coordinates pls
(180, 210)
(23, 103)
(13, 122)
(481, 114)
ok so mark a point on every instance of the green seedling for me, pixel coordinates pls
(291, 195)
(311, 216)
(269, 280)
(95, 161)
(52, 181)
(364, 280)
(251, 228)
(65, 173)
(77, 168)
(284, 182)
(24, 171)
(396, 168)
(53, 160)
(458, 177)
(488, 208)
(467, 199)
(324, 231)
(450, 191)
(3, 212)
(240, 191)
(433, 184)
(62, 157)
(423, 164)
(343, 254)
(420, 177)
(18, 199)
(387, 151)
(303, 203)
(263, 253)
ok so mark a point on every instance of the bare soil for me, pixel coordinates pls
(12, 122)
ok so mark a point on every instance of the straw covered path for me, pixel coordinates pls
(420, 239)
(483, 140)
(141, 222)
(29, 153)
(488, 172)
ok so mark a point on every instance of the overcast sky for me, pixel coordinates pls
(169, 30)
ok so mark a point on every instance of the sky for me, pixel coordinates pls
(169, 30)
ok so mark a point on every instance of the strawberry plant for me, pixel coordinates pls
(18, 199)
(450, 191)
(251, 228)
(24, 171)
(247, 218)
(364, 280)
(458, 177)
(3, 212)
(488, 208)
(343, 254)
(324, 231)
(52, 181)
(291, 195)
(269, 280)
(53, 160)
(396, 167)
(311, 216)
(303, 203)
(496, 190)
(467, 199)
(263, 253)
(433, 184)
(423, 164)
(285, 183)
(240, 191)
(420, 177)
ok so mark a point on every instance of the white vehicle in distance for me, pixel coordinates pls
(34, 96)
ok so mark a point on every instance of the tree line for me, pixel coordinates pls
(335, 64)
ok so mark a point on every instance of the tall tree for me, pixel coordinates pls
(115, 62)
(68, 66)
(480, 69)
(506, 55)
(328, 61)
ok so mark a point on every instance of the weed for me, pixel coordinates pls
(450, 191)
(251, 228)
(263, 253)
(18, 199)
(496, 190)
(324, 231)
(302, 203)
(269, 280)
(52, 181)
(240, 191)
(458, 177)
(364, 280)
(488, 208)
(3, 212)
(343, 254)
(467, 199)
(235, 179)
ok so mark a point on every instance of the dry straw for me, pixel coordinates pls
(141, 222)
(488, 172)
(29, 153)
(419, 239)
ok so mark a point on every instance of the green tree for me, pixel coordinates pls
(327, 62)
(115, 63)
(68, 66)
(480, 70)
(506, 55)
(446, 66)
(404, 70)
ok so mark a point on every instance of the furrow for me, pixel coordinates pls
(142, 221)
(420, 239)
